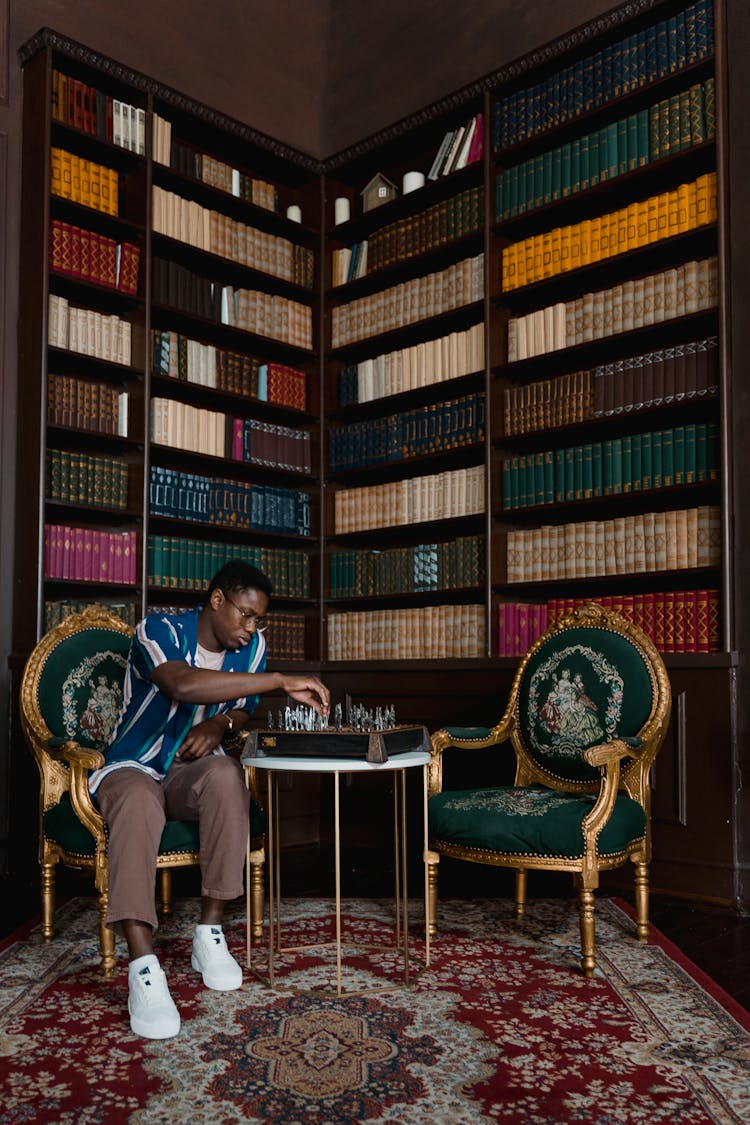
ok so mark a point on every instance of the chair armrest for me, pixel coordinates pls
(461, 738)
(614, 751)
(82, 760)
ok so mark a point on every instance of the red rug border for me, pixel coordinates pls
(656, 937)
(701, 978)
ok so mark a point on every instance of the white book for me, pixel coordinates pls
(463, 152)
(437, 163)
(122, 414)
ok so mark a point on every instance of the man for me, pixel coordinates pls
(191, 679)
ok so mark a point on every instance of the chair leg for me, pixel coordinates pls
(521, 882)
(165, 891)
(257, 893)
(432, 859)
(588, 940)
(641, 900)
(106, 938)
(48, 901)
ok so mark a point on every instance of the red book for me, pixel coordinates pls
(75, 251)
(523, 628)
(658, 634)
(238, 427)
(669, 621)
(66, 553)
(713, 620)
(511, 629)
(691, 621)
(679, 621)
(105, 555)
(47, 551)
(79, 550)
(648, 615)
(701, 621)
(501, 626)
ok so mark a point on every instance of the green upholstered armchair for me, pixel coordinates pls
(587, 714)
(71, 693)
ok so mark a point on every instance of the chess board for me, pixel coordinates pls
(361, 746)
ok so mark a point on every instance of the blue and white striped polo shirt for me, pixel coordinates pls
(151, 727)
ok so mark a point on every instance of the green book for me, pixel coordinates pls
(623, 145)
(616, 466)
(697, 114)
(547, 178)
(678, 447)
(632, 141)
(557, 173)
(627, 463)
(709, 107)
(597, 471)
(585, 163)
(646, 462)
(690, 444)
(578, 472)
(500, 182)
(675, 121)
(636, 468)
(575, 166)
(549, 476)
(587, 459)
(570, 486)
(712, 446)
(656, 473)
(560, 475)
(685, 123)
(521, 193)
(607, 468)
(613, 160)
(506, 489)
(667, 458)
(594, 161)
(642, 134)
(654, 133)
(538, 478)
(565, 171)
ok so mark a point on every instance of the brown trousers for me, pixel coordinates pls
(210, 790)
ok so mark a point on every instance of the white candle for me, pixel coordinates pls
(294, 213)
(341, 209)
(412, 181)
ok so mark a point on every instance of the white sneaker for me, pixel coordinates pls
(213, 960)
(152, 1011)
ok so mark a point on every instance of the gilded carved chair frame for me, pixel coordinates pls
(64, 767)
(622, 768)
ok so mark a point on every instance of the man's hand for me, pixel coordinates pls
(308, 690)
(202, 739)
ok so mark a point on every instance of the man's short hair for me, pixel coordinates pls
(240, 575)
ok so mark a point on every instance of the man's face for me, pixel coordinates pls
(236, 616)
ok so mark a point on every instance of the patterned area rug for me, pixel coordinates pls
(501, 1027)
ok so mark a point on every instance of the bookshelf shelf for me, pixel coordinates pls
(227, 270)
(429, 261)
(440, 325)
(227, 335)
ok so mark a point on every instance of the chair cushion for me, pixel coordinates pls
(62, 826)
(581, 687)
(529, 820)
(79, 692)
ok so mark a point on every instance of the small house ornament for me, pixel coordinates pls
(379, 190)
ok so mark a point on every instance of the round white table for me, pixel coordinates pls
(397, 764)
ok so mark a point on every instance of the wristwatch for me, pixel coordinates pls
(230, 720)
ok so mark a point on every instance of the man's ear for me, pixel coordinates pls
(217, 599)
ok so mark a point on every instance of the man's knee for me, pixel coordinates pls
(132, 796)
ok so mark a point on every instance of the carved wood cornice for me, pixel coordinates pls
(508, 73)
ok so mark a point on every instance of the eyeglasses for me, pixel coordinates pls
(260, 624)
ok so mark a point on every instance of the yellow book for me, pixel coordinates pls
(673, 213)
(75, 169)
(595, 239)
(556, 251)
(614, 229)
(584, 229)
(683, 208)
(702, 191)
(713, 197)
(547, 270)
(632, 227)
(662, 215)
(95, 186)
(85, 182)
(605, 227)
(565, 252)
(521, 264)
(507, 272)
(113, 191)
(574, 236)
(641, 237)
(66, 167)
(622, 230)
(528, 245)
(692, 206)
(538, 271)
(652, 223)
(55, 171)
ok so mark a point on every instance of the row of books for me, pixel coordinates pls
(665, 47)
(633, 463)
(457, 564)
(86, 478)
(228, 503)
(437, 427)
(93, 112)
(438, 496)
(89, 256)
(671, 125)
(286, 636)
(182, 426)
(188, 221)
(435, 632)
(83, 181)
(190, 564)
(87, 404)
(653, 541)
(56, 610)
(433, 293)
(266, 443)
(349, 263)
(459, 147)
(689, 288)
(264, 314)
(671, 374)
(675, 620)
(443, 222)
(430, 361)
(84, 554)
(642, 223)
(88, 331)
(201, 166)
(179, 357)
